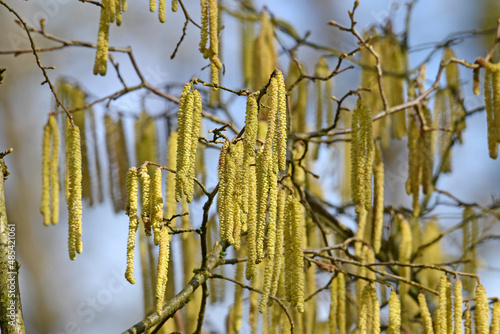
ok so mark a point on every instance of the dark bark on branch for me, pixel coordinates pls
(11, 316)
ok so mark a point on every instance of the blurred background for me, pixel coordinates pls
(91, 295)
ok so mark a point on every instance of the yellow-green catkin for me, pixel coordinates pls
(394, 314)
(467, 319)
(334, 305)
(45, 203)
(132, 203)
(495, 318)
(375, 311)
(442, 120)
(247, 36)
(426, 147)
(378, 219)
(222, 190)
(414, 164)
(321, 70)
(184, 123)
(162, 271)
(449, 307)
(175, 5)
(74, 168)
(238, 296)
(189, 169)
(264, 59)
(101, 57)
(342, 308)
(457, 307)
(145, 199)
(363, 313)
(251, 128)
(280, 233)
(426, 315)
(171, 204)
(54, 170)
(162, 11)
(229, 189)
(442, 315)
(490, 105)
(297, 236)
(237, 199)
(281, 121)
(213, 32)
(481, 313)
(204, 27)
(405, 248)
(156, 205)
(145, 140)
(252, 224)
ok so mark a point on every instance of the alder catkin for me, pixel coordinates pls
(363, 313)
(489, 101)
(45, 203)
(252, 224)
(74, 168)
(204, 27)
(297, 235)
(481, 313)
(282, 121)
(101, 57)
(375, 311)
(425, 314)
(54, 170)
(405, 248)
(162, 11)
(189, 170)
(145, 198)
(394, 314)
(230, 175)
(162, 271)
(278, 251)
(184, 123)
(171, 204)
(495, 318)
(441, 317)
(457, 307)
(467, 319)
(156, 205)
(251, 128)
(221, 200)
(334, 305)
(378, 219)
(132, 202)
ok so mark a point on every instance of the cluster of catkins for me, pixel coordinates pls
(49, 206)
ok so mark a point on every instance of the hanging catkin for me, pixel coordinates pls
(405, 248)
(280, 233)
(294, 255)
(281, 122)
(162, 271)
(251, 128)
(481, 320)
(492, 104)
(156, 205)
(363, 313)
(171, 204)
(425, 314)
(378, 218)
(252, 224)
(45, 203)
(237, 199)
(394, 314)
(457, 301)
(467, 319)
(74, 168)
(101, 57)
(185, 122)
(189, 169)
(145, 199)
(264, 59)
(441, 316)
(495, 318)
(132, 202)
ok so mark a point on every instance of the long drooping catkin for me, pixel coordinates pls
(171, 204)
(264, 58)
(394, 314)
(334, 304)
(280, 233)
(414, 164)
(184, 123)
(405, 248)
(281, 121)
(54, 170)
(237, 199)
(489, 101)
(425, 314)
(378, 219)
(495, 318)
(467, 319)
(101, 57)
(156, 205)
(162, 271)
(363, 313)
(229, 189)
(295, 256)
(457, 301)
(132, 202)
(145, 199)
(251, 128)
(252, 224)
(481, 318)
(74, 168)
(441, 316)
(189, 170)
(45, 203)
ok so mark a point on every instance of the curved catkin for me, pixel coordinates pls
(457, 307)
(162, 271)
(282, 121)
(189, 170)
(481, 318)
(101, 56)
(184, 119)
(495, 318)
(74, 168)
(204, 27)
(252, 225)
(378, 219)
(156, 205)
(297, 230)
(394, 314)
(145, 198)
(54, 170)
(426, 315)
(467, 319)
(45, 203)
(132, 201)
